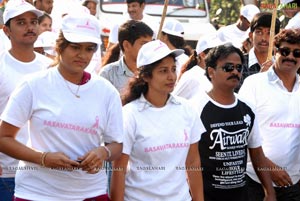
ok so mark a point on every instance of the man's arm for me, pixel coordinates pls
(259, 162)
(278, 175)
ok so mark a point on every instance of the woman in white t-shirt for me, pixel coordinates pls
(75, 122)
(161, 135)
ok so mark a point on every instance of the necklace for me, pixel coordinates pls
(74, 93)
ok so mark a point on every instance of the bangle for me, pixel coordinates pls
(44, 154)
(108, 152)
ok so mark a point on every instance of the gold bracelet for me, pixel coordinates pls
(44, 154)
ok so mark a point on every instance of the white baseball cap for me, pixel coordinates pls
(248, 11)
(208, 42)
(14, 8)
(81, 28)
(173, 27)
(47, 39)
(77, 9)
(153, 51)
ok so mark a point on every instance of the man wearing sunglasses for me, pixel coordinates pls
(275, 97)
(231, 130)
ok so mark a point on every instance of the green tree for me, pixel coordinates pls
(230, 10)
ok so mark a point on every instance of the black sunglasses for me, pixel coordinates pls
(229, 67)
(285, 51)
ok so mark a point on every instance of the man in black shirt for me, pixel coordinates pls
(231, 130)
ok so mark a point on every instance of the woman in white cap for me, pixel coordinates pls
(160, 137)
(75, 122)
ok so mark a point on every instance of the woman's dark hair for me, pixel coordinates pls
(176, 41)
(61, 44)
(111, 55)
(137, 85)
(219, 53)
(190, 63)
(188, 50)
(43, 17)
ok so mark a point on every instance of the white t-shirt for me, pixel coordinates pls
(12, 71)
(277, 112)
(232, 34)
(192, 83)
(5, 42)
(61, 122)
(294, 22)
(180, 61)
(157, 141)
(147, 19)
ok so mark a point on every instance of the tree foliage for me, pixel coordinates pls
(231, 10)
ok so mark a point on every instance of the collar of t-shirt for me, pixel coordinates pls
(86, 77)
(144, 104)
(123, 69)
(273, 78)
(252, 60)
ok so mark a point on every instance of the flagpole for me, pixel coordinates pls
(272, 31)
(163, 16)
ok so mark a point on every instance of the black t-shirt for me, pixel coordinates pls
(247, 71)
(223, 150)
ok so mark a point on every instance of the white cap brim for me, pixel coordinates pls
(157, 57)
(38, 13)
(78, 38)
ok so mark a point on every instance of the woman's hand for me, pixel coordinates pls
(58, 160)
(92, 161)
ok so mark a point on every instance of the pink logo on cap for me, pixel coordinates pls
(160, 46)
(86, 26)
(23, 2)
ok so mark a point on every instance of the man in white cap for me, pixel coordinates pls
(238, 32)
(172, 35)
(21, 27)
(291, 9)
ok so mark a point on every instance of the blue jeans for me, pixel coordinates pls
(7, 186)
(108, 169)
